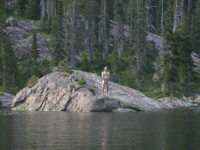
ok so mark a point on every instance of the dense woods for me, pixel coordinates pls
(89, 35)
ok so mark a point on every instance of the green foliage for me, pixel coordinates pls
(25, 19)
(90, 35)
(34, 46)
(3, 12)
(72, 86)
(21, 6)
(178, 74)
(64, 66)
(196, 29)
(33, 9)
(91, 90)
(47, 36)
(32, 81)
(45, 67)
(81, 81)
(26, 70)
(136, 108)
(154, 91)
(8, 65)
(1, 91)
(58, 52)
(84, 63)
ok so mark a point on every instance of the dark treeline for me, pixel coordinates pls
(89, 35)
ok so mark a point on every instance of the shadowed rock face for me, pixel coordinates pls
(6, 100)
(59, 91)
(21, 39)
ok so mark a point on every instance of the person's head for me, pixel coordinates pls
(105, 68)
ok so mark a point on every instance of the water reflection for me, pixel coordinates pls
(167, 130)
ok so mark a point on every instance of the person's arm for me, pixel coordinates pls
(102, 74)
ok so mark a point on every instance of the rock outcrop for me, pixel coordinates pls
(59, 91)
(194, 98)
(6, 100)
(197, 99)
(21, 39)
(196, 59)
(175, 103)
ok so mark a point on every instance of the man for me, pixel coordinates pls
(105, 76)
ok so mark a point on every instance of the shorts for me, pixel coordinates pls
(104, 82)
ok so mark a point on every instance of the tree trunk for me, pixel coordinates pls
(4, 70)
(72, 43)
(178, 15)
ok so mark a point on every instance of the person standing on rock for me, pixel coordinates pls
(105, 76)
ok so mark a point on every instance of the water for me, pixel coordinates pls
(166, 130)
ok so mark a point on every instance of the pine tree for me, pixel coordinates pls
(138, 26)
(168, 17)
(8, 68)
(34, 46)
(33, 9)
(58, 52)
(178, 73)
(197, 28)
(34, 55)
(21, 6)
(104, 28)
(119, 19)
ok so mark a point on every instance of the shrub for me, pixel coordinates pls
(72, 86)
(136, 108)
(32, 81)
(81, 81)
(64, 66)
(66, 74)
(1, 93)
(91, 90)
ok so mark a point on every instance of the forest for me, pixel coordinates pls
(88, 35)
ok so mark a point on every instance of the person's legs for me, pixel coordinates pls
(106, 86)
(103, 86)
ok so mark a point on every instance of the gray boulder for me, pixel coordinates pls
(196, 59)
(175, 103)
(58, 92)
(194, 98)
(6, 100)
(197, 99)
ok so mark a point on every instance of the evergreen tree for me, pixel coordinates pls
(58, 52)
(8, 68)
(34, 46)
(197, 28)
(168, 17)
(178, 73)
(119, 18)
(33, 9)
(137, 44)
(34, 56)
(21, 6)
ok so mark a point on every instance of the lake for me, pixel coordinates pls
(163, 130)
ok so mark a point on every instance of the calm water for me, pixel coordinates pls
(166, 130)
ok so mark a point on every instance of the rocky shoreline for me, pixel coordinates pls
(60, 91)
